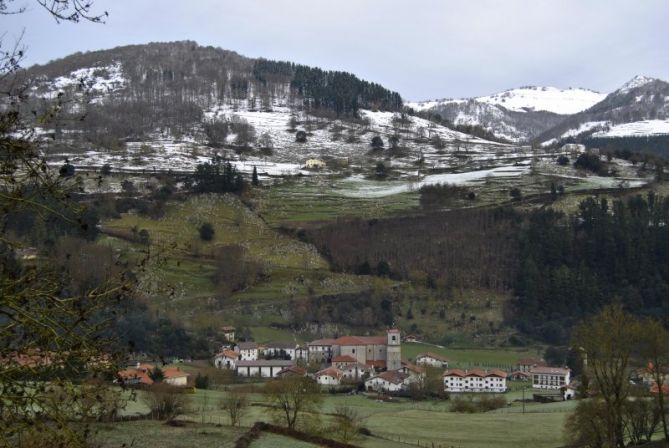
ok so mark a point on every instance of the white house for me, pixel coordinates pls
(457, 380)
(356, 372)
(343, 361)
(550, 377)
(527, 364)
(314, 164)
(280, 348)
(331, 376)
(388, 381)
(227, 359)
(265, 368)
(321, 350)
(175, 376)
(228, 333)
(432, 360)
(412, 370)
(301, 352)
(248, 351)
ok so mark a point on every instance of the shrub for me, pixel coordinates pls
(563, 160)
(201, 381)
(165, 401)
(377, 142)
(590, 162)
(301, 137)
(515, 193)
(106, 169)
(206, 232)
(67, 170)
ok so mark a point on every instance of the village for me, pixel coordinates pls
(368, 363)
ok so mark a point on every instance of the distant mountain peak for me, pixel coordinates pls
(637, 81)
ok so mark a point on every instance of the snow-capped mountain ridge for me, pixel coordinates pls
(530, 98)
(639, 107)
(637, 81)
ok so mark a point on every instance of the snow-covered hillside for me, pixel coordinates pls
(636, 129)
(524, 99)
(516, 114)
(640, 107)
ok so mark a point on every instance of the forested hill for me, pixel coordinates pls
(143, 87)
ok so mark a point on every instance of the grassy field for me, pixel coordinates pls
(473, 357)
(179, 276)
(395, 423)
(315, 199)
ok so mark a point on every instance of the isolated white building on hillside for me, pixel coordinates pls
(314, 164)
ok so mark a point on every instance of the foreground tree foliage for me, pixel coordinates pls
(607, 341)
(612, 343)
(56, 357)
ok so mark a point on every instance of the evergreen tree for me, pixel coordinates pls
(254, 179)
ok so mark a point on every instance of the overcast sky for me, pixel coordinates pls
(422, 48)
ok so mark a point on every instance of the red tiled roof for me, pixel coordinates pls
(229, 354)
(331, 371)
(174, 372)
(497, 372)
(475, 372)
(327, 341)
(393, 376)
(294, 370)
(654, 389)
(436, 356)
(361, 340)
(376, 364)
(532, 362)
(344, 358)
(135, 374)
(414, 368)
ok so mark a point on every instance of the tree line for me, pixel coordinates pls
(339, 91)
(607, 252)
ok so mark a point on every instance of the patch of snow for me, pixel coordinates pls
(359, 187)
(636, 129)
(550, 99)
(637, 81)
(98, 80)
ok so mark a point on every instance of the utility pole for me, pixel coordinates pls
(523, 399)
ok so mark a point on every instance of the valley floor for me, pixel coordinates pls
(398, 423)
